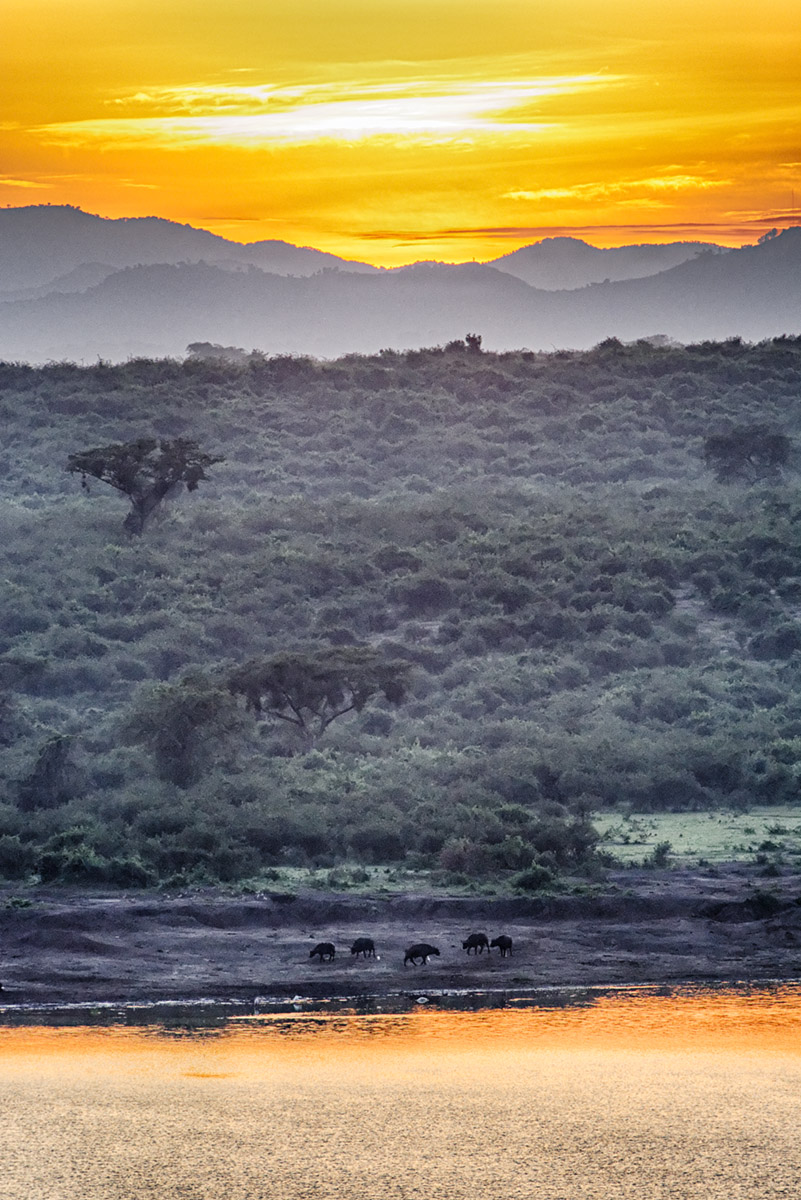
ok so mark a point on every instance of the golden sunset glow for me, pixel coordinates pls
(391, 131)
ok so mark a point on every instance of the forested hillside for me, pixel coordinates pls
(576, 602)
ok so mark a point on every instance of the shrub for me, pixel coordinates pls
(17, 858)
(68, 858)
(466, 857)
(377, 841)
(534, 879)
(54, 779)
(780, 642)
(424, 595)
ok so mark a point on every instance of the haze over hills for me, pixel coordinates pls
(58, 248)
(156, 307)
(79, 279)
(559, 263)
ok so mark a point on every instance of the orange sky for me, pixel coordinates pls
(393, 130)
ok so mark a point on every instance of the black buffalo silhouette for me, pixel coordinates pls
(324, 950)
(420, 950)
(504, 944)
(477, 942)
(363, 946)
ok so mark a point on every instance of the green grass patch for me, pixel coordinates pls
(758, 834)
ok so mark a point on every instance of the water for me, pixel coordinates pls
(629, 1094)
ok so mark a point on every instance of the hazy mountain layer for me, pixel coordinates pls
(754, 292)
(41, 246)
(561, 263)
(40, 243)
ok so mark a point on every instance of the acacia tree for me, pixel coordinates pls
(146, 471)
(309, 690)
(748, 452)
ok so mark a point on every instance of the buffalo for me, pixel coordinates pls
(364, 946)
(477, 942)
(325, 951)
(420, 950)
(504, 944)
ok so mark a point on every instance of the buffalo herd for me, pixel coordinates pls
(420, 952)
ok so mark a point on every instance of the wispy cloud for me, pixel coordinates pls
(252, 115)
(7, 181)
(617, 232)
(617, 188)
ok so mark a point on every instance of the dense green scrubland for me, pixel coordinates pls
(593, 621)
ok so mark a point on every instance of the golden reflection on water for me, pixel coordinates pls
(691, 1095)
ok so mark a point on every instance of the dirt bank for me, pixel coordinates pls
(59, 946)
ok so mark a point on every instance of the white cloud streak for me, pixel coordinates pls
(260, 114)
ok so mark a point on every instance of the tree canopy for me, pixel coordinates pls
(311, 689)
(180, 723)
(145, 470)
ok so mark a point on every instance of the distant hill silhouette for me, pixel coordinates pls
(47, 248)
(40, 243)
(158, 309)
(558, 263)
(80, 278)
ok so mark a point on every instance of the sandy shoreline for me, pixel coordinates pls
(64, 947)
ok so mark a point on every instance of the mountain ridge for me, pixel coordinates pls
(38, 238)
(158, 309)
(562, 263)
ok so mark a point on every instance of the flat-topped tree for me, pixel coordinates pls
(146, 471)
(311, 689)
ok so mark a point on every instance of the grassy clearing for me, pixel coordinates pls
(766, 835)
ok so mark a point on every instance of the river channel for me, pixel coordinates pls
(631, 1094)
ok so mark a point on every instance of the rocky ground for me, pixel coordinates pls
(59, 946)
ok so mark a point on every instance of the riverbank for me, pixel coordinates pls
(60, 946)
